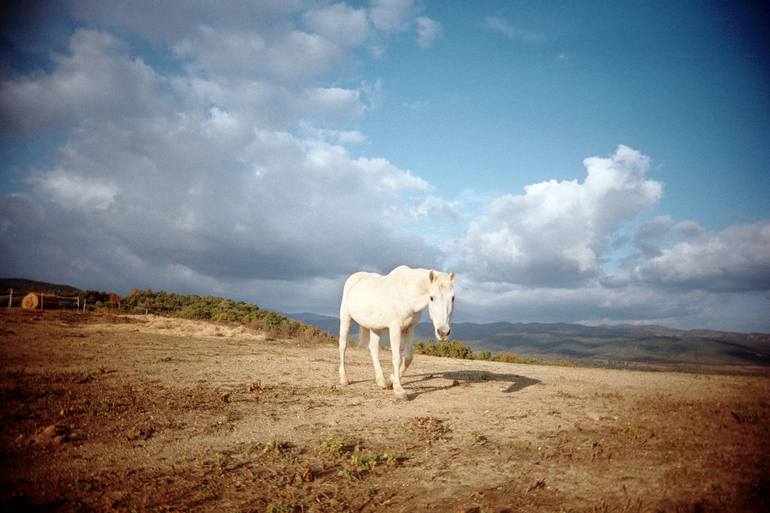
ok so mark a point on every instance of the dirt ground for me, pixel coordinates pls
(107, 413)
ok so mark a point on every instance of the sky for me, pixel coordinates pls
(593, 162)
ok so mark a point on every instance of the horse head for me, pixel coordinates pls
(441, 299)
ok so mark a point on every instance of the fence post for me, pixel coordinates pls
(41, 300)
(84, 304)
(10, 299)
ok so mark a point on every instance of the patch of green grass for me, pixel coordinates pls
(478, 438)
(284, 507)
(360, 464)
(223, 459)
(276, 446)
(334, 447)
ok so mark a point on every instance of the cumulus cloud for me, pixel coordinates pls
(193, 177)
(663, 231)
(736, 259)
(427, 31)
(556, 232)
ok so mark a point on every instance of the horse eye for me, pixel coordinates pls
(453, 299)
(431, 298)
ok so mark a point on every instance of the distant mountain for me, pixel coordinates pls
(599, 345)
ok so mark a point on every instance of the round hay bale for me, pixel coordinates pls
(30, 301)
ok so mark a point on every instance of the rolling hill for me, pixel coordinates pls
(614, 346)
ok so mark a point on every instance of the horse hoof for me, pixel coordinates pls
(344, 381)
(400, 395)
(385, 385)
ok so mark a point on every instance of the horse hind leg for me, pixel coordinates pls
(374, 348)
(344, 330)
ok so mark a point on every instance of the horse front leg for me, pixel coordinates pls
(395, 349)
(407, 349)
(374, 349)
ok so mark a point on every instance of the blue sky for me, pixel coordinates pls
(573, 161)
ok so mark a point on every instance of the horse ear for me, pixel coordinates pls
(431, 276)
(452, 276)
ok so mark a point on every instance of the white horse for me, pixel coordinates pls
(394, 302)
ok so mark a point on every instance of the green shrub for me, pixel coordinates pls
(484, 355)
(457, 349)
(448, 348)
(513, 358)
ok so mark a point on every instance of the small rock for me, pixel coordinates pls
(140, 433)
(48, 431)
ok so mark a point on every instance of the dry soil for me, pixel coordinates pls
(109, 413)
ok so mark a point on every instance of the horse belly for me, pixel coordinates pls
(369, 316)
(367, 309)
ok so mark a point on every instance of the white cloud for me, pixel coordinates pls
(390, 15)
(274, 106)
(171, 20)
(428, 31)
(340, 23)
(334, 137)
(503, 27)
(82, 87)
(71, 190)
(736, 259)
(292, 56)
(663, 231)
(556, 232)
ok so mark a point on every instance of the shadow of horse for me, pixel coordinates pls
(466, 377)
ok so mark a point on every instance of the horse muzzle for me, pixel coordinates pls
(443, 333)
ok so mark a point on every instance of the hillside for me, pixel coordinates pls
(22, 286)
(644, 346)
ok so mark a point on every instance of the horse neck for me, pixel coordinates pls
(418, 289)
